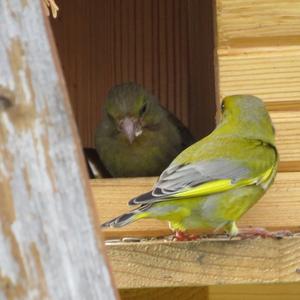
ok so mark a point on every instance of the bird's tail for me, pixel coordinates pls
(127, 218)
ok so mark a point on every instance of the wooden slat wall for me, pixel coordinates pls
(258, 52)
(258, 23)
(165, 45)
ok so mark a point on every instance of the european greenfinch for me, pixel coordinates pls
(137, 136)
(215, 181)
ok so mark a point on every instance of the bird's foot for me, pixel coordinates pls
(181, 236)
(251, 233)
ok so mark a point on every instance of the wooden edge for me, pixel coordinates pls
(49, 243)
(168, 293)
(289, 166)
(205, 262)
(283, 105)
(77, 142)
(78, 149)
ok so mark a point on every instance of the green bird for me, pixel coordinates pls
(215, 181)
(137, 136)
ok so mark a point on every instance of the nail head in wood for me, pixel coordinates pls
(6, 98)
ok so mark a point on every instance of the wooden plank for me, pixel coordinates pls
(50, 248)
(278, 209)
(270, 73)
(287, 126)
(244, 23)
(182, 293)
(288, 291)
(204, 262)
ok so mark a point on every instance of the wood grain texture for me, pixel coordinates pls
(182, 293)
(278, 209)
(164, 45)
(248, 23)
(271, 73)
(200, 263)
(274, 76)
(50, 248)
(287, 126)
(288, 291)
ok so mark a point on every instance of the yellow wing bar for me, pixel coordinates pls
(221, 185)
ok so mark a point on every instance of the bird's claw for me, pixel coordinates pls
(181, 236)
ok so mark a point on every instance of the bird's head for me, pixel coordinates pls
(247, 115)
(132, 110)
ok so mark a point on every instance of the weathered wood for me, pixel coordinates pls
(201, 263)
(50, 248)
(278, 209)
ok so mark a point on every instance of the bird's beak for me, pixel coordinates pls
(131, 128)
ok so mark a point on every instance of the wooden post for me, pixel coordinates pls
(49, 244)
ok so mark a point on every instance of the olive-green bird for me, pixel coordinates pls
(215, 181)
(137, 136)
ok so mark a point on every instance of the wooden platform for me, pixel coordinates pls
(206, 262)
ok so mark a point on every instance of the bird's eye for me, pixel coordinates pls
(223, 106)
(143, 109)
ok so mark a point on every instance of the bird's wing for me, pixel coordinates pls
(203, 178)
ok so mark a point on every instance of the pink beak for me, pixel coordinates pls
(131, 128)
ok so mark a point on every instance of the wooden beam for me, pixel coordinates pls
(278, 209)
(50, 247)
(205, 262)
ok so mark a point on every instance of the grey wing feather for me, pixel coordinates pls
(173, 181)
(177, 178)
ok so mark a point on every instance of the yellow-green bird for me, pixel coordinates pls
(137, 136)
(212, 183)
